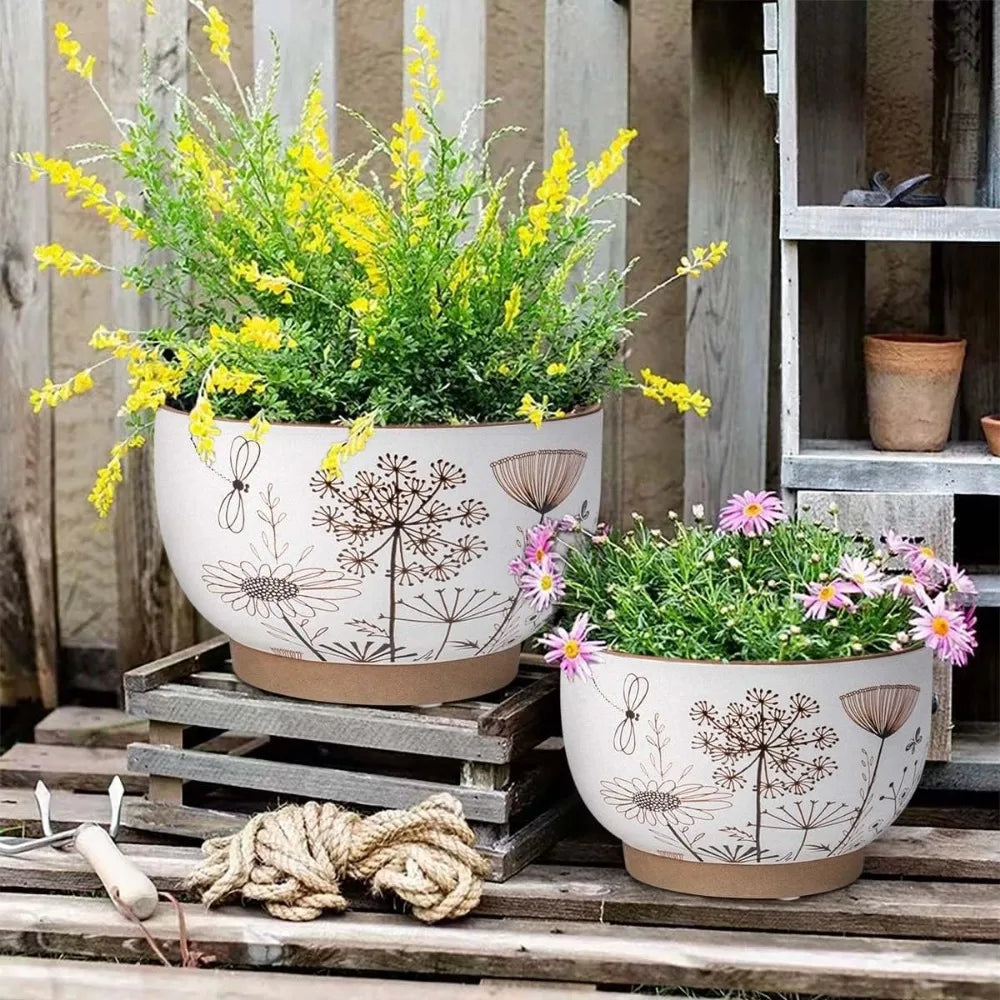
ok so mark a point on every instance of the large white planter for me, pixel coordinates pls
(387, 587)
(748, 779)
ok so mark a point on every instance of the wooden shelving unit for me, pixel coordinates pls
(874, 225)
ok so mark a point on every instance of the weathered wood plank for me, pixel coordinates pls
(975, 760)
(876, 225)
(384, 791)
(84, 769)
(76, 725)
(873, 967)
(930, 516)
(49, 979)
(730, 197)
(306, 35)
(153, 615)
(963, 467)
(28, 606)
(210, 653)
(586, 92)
(19, 812)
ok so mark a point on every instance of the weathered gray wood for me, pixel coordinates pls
(988, 588)
(992, 185)
(788, 107)
(76, 725)
(925, 515)
(770, 26)
(28, 609)
(532, 708)
(730, 197)
(347, 725)
(831, 63)
(306, 35)
(975, 760)
(586, 92)
(49, 979)
(19, 812)
(153, 615)
(460, 29)
(873, 967)
(210, 653)
(85, 769)
(963, 467)
(180, 820)
(163, 789)
(384, 791)
(879, 225)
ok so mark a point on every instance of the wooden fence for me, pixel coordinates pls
(585, 90)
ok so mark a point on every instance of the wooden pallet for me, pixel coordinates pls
(486, 752)
(921, 923)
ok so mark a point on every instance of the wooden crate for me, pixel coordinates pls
(516, 794)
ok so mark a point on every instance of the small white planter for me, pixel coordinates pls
(388, 587)
(748, 779)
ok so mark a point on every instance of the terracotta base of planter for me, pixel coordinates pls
(744, 881)
(376, 683)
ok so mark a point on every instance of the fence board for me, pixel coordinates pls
(586, 92)
(306, 35)
(28, 622)
(730, 197)
(153, 615)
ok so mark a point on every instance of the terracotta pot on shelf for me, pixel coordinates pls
(991, 428)
(912, 383)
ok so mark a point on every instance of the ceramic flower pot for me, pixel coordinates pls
(763, 780)
(912, 383)
(991, 428)
(387, 587)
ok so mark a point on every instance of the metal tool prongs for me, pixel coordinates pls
(124, 882)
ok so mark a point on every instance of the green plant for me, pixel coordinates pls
(302, 289)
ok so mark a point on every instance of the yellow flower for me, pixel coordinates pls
(512, 307)
(218, 34)
(194, 161)
(556, 368)
(223, 379)
(258, 427)
(293, 271)
(361, 305)
(260, 332)
(65, 261)
(70, 48)
(533, 411)
(358, 435)
(703, 258)
(150, 8)
(277, 284)
(404, 157)
(610, 160)
(219, 338)
(663, 390)
(551, 196)
(503, 368)
(102, 496)
(203, 428)
(53, 393)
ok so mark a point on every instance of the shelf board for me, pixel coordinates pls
(988, 587)
(975, 760)
(920, 225)
(963, 467)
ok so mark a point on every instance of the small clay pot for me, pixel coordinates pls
(991, 428)
(912, 383)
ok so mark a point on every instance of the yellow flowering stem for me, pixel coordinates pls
(102, 496)
(662, 390)
(700, 259)
(358, 435)
(69, 48)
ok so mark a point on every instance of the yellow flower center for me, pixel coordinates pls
(908, 580)
(540, 555)
(941, 626)
(571, 649)
(826, 593)
(926, 551)
(545, 582)
(753, 510)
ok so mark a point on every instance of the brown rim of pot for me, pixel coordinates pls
(769, 663)
(586, 411)
(915, 338)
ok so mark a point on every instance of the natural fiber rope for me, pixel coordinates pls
(292, 860)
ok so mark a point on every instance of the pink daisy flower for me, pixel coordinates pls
(517, 567)
(574, 652)
(543, 584)
(948, 632)
(922, 558)
(822, 596)
(751, 513)
(864, 574)
(912, 584)
(959, 582)
(897, 545)
(539, 543)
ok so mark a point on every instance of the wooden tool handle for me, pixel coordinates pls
(121, 878)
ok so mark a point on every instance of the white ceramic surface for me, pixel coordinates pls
(748, 763)
(404, 560)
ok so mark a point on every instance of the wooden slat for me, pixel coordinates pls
(975, 760)
(76, 725)
(460, 29)
(153, 615)
(946, 910)
(49, 979)
(550, 949)
(930, 516)
(85, 769)
(210, 653)
(28, 608)
(879, 225)
(306, 35)
(730, 197)
(586, 92)
(963, 467)
(358, 788)
(19, 812)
